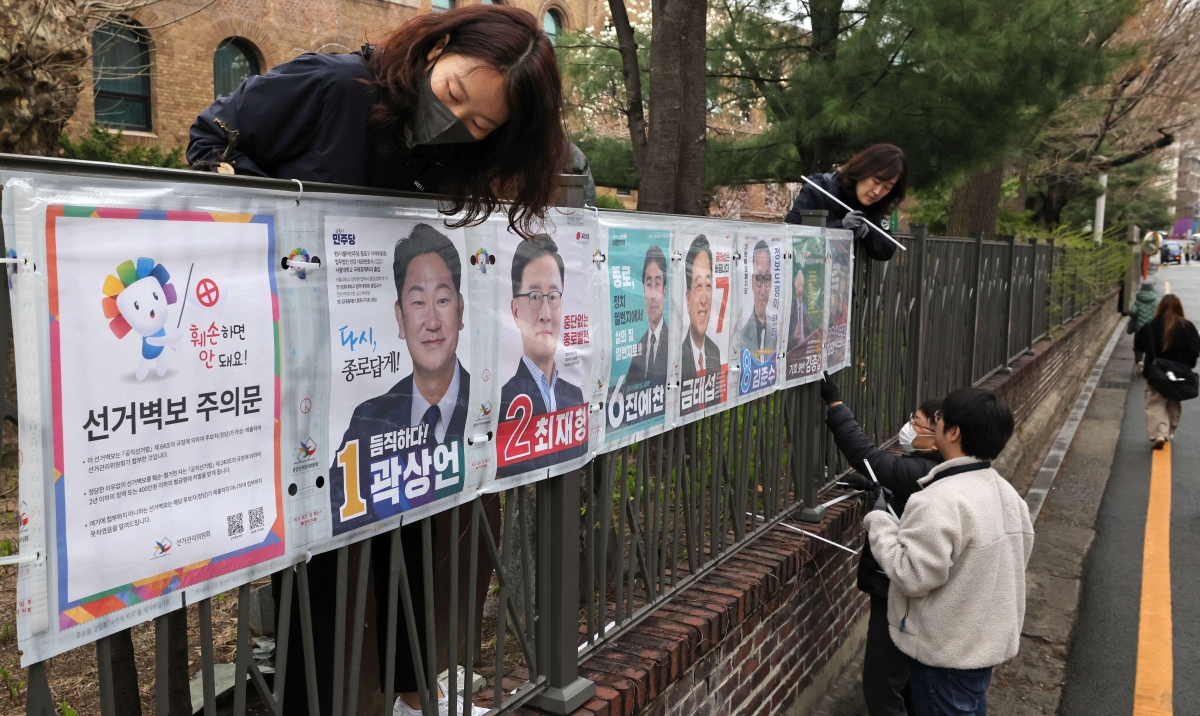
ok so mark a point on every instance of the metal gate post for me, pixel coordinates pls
(558, 597)
(975, 306)
(1033, 279)
(916, 325)
(38, 701)
(1012, 273)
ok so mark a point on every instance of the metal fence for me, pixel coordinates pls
(520, 588)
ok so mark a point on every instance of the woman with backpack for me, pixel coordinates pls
(1171, 345)
(1144, 305)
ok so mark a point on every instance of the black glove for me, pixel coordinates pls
(879, 499)
(857, 481)
(830, 392)
(856, 222)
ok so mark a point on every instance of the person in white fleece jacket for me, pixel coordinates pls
(957, 561)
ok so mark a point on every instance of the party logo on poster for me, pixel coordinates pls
(638, 312)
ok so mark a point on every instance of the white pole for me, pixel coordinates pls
(814, 185)
(1098, 224)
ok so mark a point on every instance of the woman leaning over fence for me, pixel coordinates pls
(885, 668)
(465, 103)
(870, 183)
(1171, 345)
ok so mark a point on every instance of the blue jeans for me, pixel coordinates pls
(948, 692)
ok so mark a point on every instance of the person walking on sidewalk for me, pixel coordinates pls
(956, 561)
(1144, 305)
(885, 668)
(1171, 338)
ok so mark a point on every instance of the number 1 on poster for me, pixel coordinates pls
(347, 459)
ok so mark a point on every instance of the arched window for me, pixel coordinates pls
(121, 76)
(234, 61)
(552, 23)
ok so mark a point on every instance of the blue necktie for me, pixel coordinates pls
(431, 418)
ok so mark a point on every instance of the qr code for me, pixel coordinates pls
(256, 519)
(234, 523)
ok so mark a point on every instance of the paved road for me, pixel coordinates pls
(1136, 646)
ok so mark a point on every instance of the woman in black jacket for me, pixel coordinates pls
(885, 668)
(466, 103)
(870, 183)
(1170, 336)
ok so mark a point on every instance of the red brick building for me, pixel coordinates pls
(155, 73)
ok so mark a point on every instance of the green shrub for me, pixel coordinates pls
(100, 144)
(608, 201)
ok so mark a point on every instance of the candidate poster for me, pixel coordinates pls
(544, 309)
(805, 347)
(703, 309)
(165, 402)
(761, 250)
(401, 381)
(840, 277)
(640, 337)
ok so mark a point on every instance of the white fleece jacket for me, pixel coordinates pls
(957, 563)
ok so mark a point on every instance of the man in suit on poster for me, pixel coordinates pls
(650, 364)
(756, 334)
(538, 280)
(700, 354)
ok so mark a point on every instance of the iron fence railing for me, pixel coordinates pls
(521, 587)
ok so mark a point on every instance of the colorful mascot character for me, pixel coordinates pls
(136, 299)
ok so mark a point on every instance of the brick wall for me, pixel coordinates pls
(181, 75)
(748, 638)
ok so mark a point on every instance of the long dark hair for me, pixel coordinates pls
(1169, 315)
(521, 159)
(882, 161)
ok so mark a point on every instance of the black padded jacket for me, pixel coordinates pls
(898, 473)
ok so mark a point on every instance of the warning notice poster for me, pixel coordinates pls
(639, 293)
(401, 382)
(805, 332)
(704, 308)
(543, 307)
(165, 445)
(761, 301)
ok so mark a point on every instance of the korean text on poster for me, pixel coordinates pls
(401, 382)
(639, 306)
(761, 301)
(545, 352)
(840, 247)
(805, 348)
(165, 441)
(704, 304)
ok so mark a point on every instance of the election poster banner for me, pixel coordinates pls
(761, 250)
(640, 338)
(805, 348)
(704, 308)
(840, 276)
(544, 308)
(400, 384)
(166, 445)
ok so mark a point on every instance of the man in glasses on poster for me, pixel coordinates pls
(543, 419)
(758, 335)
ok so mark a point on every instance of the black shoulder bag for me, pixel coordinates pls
(1172, 380)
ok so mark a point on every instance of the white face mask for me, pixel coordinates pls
(907, 434)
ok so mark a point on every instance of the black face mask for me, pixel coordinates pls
(433, 123)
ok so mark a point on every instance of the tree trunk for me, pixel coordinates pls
(635, 114)
(673, 177)
(975, 205)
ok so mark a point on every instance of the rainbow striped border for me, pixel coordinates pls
(97, 605)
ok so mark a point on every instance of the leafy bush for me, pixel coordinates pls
(611, 160)
(100, 144)
(608, 201)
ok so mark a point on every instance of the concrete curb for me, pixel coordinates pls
(1036, 496)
